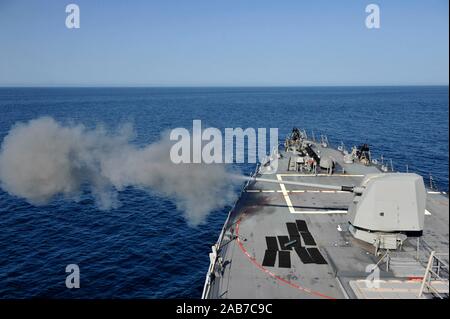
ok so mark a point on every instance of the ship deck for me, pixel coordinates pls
(330, 263)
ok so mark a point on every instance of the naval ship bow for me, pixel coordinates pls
(319, 222)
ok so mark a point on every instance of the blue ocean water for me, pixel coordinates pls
(145, 249)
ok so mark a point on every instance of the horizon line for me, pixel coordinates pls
(221, 86)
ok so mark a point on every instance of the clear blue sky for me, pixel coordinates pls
(223, 42)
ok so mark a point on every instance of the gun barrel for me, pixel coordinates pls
(324, 186)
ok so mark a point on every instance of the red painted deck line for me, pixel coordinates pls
(261, 267)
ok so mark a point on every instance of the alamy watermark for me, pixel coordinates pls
(210, 146)
(373, 19)
(373, 279)
(73, 17)
(73, 279)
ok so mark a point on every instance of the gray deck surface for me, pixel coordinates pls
(264, 209)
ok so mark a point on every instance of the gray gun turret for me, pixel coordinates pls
(385, 207)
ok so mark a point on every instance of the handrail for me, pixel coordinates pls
(431, 275)
(218, 244)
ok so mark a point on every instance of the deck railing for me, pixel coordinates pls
(436, 272)
(216, 249)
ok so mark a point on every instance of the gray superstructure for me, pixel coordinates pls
(283, 240)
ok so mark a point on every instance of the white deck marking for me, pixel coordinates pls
(293, 191)
(427, 212)
(286, 196)
(436, 193)
(315, 175)
(319, 212)
(292, 209)
(289, 202)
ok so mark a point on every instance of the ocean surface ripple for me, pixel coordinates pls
(145, 248)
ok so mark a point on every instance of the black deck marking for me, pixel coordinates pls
(283, 240)
(292, 229)
(284, 259)
(308, 239)
(269, 258)
(271, 243)
(298, 239)
(303, 254)
(301, 226)
(317, 256)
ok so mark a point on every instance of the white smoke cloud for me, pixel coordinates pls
(42, 158)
